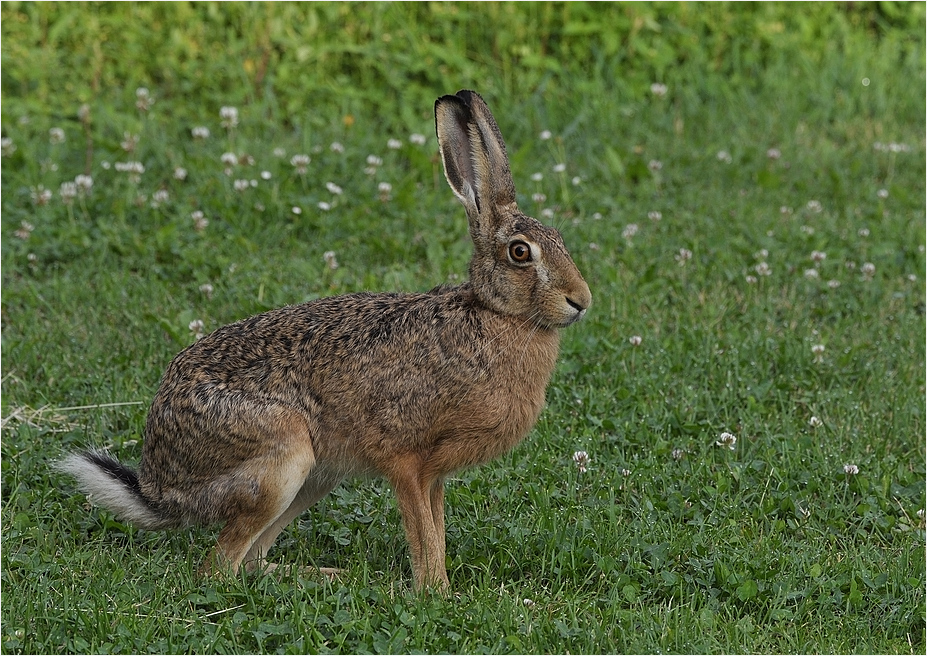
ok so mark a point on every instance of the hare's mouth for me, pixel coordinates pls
(568, 315)
(574, 318)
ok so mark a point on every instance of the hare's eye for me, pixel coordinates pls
(520, 252)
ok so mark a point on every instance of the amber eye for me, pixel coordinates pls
(519, 251)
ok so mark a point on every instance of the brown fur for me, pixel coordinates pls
(260, 419)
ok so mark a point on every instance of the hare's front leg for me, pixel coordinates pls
(421, 503)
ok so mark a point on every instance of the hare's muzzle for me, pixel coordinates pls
(578, 301)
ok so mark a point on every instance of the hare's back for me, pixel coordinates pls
(339, 346)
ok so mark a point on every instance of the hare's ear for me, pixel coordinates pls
(475, 163)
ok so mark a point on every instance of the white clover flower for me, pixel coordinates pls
(882, 193)
(814, 422)
(417, 139)
(850, 469)
(629, 230)
(134, 169)
(279, 153)
(300, 163)
(159, 197)
(228, 116)
(635, 340)
(84, 182)
(7, 147)
(240, 185)
(625, 472)
(528, 603)
(25, 230)
(728, 440)
(384, 188)
(594, 246)
(129, 142)
(818, 351)
(198, 328)
(818, 256)
(868, 270)
(539, 197)
(811, 274)
(582, 459)
(130, 167)
(724, 156)
(658, 89)
(547, 213)
(330, 261)
(199, 220)
(40, 195)
(56, 136)
(678, 454)
(333, 188)
(324, 206)
(394, 144)
(297, 210)
(545, 135)
(143, 99)
(763, 269)
(206, 290)
(654, 215)
(833, 284)
(229, 159)
(200, 132)
(863, 232)
(373, 160)
(266, 175)
(336, 147)
(596, 216)
(559, 168)
(751, 280)
(773, 153)
(180, 173)
(655, 165)
(576, 181)
(683, 256)
(814, 206)
(68, 192)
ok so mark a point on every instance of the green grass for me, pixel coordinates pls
(668, 542)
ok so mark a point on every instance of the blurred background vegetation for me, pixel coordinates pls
(309, 62)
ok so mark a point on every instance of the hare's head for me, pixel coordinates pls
(520, 267)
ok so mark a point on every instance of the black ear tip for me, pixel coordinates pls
(457, 106)
(468, 96)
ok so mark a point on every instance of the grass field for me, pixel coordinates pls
(742, 187)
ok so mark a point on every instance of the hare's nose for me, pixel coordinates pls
(575, 305)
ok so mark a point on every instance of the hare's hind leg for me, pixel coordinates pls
(265, 487)
(313, 489)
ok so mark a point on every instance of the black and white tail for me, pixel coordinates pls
(114, 486)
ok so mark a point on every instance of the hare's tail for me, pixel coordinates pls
(114, 486)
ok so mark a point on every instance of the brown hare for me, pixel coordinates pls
(257, 421)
